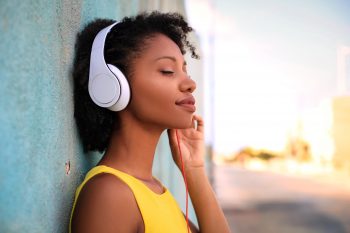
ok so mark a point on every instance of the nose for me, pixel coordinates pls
(188, 85)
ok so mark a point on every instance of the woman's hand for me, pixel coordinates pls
(191, 141)
(209, 214)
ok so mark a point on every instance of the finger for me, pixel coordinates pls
(172, 139)
(171, 135)
(193, 123)
(200, 122)
(173, 144)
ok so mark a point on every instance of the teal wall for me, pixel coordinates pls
(37, 128)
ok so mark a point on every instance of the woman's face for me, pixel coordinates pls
(160, 86)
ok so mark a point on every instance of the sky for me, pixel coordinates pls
(266, 64)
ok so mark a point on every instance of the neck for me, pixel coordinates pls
(132, 147)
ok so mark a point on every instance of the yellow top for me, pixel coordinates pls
(160, 212)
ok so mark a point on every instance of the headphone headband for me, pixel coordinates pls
(97, 60)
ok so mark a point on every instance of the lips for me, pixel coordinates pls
(188, 103)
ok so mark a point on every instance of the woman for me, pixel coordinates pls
(120, 194)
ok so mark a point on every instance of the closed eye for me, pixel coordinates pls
(167, 72)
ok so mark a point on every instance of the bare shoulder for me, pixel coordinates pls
(106, 204)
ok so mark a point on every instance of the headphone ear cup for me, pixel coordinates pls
(124, 96)
(104, 89)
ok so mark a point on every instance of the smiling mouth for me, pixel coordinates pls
(187, 103)
(188, 107)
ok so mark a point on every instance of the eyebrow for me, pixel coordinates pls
(170, 58)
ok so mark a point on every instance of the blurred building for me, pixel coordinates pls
(341, 132)
(326, 128)
(341, 111)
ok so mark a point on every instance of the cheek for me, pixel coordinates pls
(157, 105)
(152, 98)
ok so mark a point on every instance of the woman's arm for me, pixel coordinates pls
(209, 214)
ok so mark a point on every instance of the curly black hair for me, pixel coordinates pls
(124, 43)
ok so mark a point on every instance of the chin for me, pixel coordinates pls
(176, 121)
(183, 124)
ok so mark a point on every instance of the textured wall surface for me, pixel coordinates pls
(37, 128)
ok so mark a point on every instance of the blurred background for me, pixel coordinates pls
(277, 79)
(277, 96)
(273, 85)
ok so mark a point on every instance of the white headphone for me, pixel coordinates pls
(108, 86)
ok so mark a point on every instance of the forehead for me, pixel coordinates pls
(161, 45)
